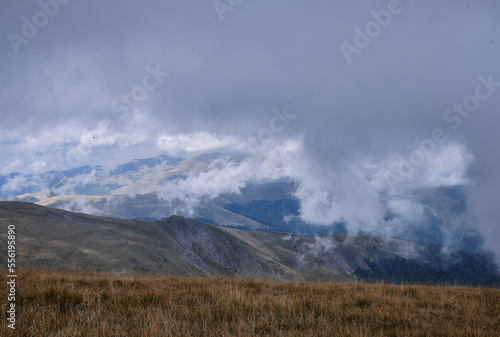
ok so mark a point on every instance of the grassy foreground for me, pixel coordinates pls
(51, 304)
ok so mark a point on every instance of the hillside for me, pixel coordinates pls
(68, 241)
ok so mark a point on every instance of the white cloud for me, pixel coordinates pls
(231, 173)
(81, 205)
(15, 183)
(406, 208)
(328, 197)
(447, 166)
(47, 138)
(360, 193)
(22, 181)
(13, 166)
(195, 142)
(68, 185)
(71, 144)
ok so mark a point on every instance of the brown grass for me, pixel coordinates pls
(51, 304)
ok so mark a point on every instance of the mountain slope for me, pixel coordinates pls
(178, 246)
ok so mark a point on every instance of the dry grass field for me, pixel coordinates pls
(52, 304)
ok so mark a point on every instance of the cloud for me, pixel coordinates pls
(196, 143)
(406, 208)
(230, 173)
(70, 144)
(13, 166)
(446, 166)
(15, 183)
(71, 184)
(20, 183)
(360, 194)
(347, 195)
(81, 205)
(50, 137)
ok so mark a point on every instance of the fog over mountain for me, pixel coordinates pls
(366, 106)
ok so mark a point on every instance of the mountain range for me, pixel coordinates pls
(147, 189)
(61, 240)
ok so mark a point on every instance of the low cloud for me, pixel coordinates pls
(230, 173)
(81, 205)
(360, 194)
(21, 183)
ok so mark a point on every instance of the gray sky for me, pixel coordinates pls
(359, 100)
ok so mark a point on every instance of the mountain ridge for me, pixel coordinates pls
(69, 241)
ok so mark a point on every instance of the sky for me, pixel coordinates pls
(352, 99)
